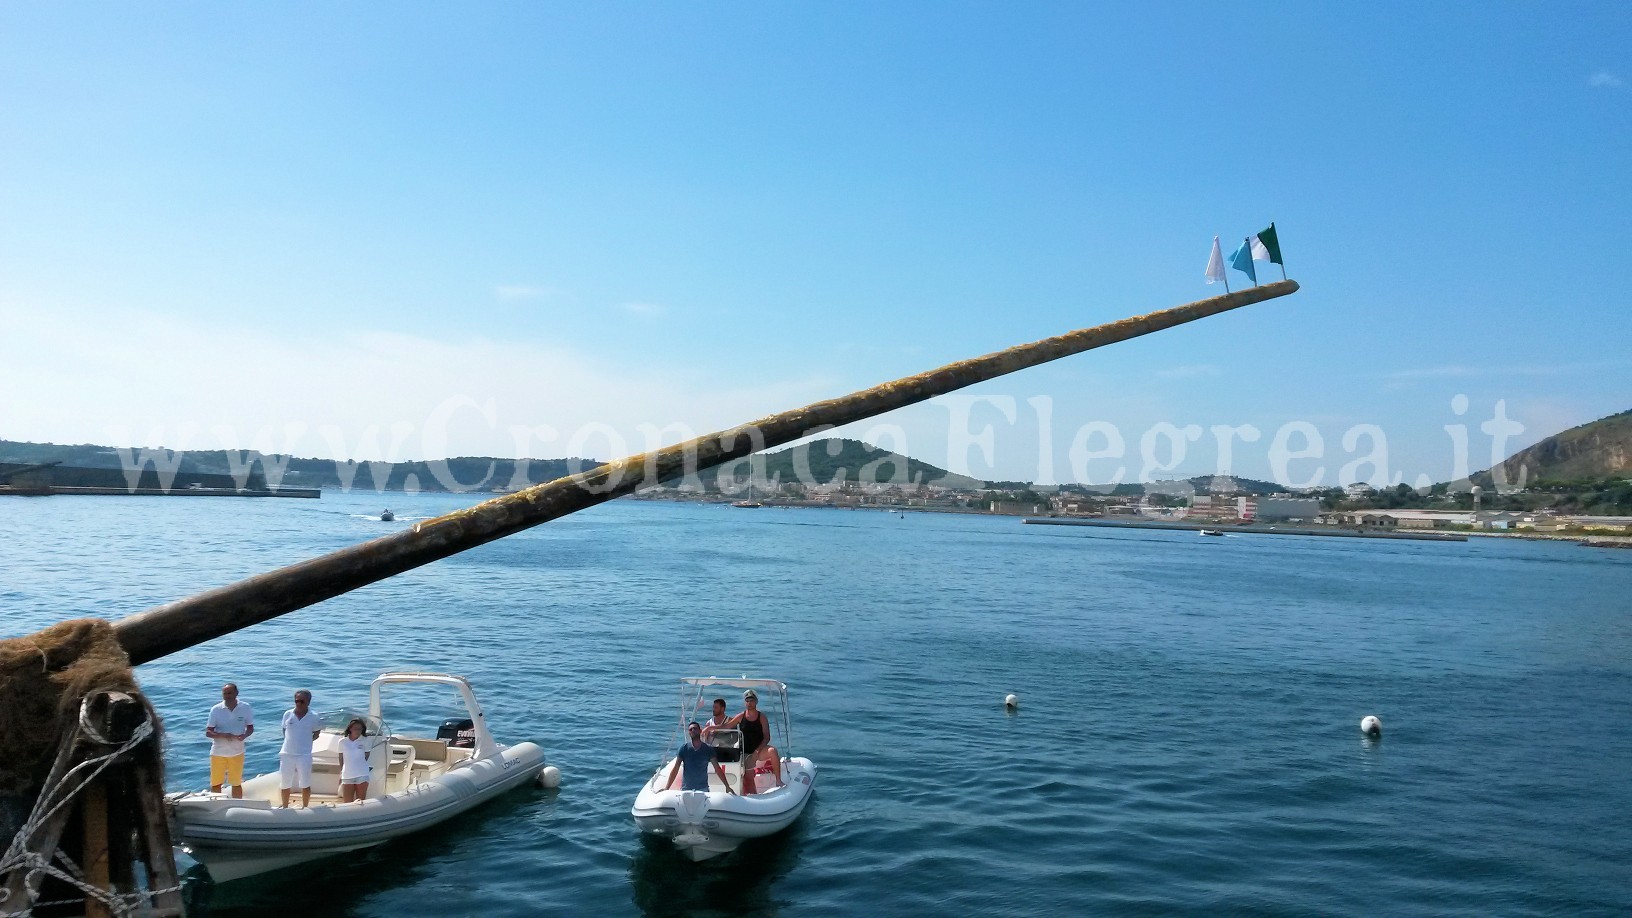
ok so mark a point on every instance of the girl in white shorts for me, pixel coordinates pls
(353, 764)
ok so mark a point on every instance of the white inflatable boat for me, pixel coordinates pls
(703, 824)
(414, 783)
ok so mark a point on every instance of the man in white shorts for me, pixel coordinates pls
(300, 728)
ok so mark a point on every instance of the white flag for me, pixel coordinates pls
(1215, 264)
(1259, 253)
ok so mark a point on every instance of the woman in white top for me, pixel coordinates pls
(353, 764)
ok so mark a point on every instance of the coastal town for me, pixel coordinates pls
(1352, 507)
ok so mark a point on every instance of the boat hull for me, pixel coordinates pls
(705, 824)
(241, 838)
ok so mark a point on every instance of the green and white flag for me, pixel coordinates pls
(1265, 247)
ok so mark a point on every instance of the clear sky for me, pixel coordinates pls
(373, 230)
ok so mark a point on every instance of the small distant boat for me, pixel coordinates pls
(1211, 532)
(704, 824)
(750, 503)
(387, 516)
(414, 783)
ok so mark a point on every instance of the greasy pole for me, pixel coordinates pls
(186, 622)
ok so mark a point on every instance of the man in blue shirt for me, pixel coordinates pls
(694, 757)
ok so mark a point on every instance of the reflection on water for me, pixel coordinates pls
(663, 881)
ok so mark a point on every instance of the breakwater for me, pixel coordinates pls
(47, 490)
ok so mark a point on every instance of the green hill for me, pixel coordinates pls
(460, 473)
(817, 462)
(821, 461)
(836, 459)
(1601, 449)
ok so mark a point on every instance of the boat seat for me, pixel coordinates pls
(401, 767)
(764, 782)
(325, 777)
(428, 750)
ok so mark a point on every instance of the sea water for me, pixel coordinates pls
(1187, 737)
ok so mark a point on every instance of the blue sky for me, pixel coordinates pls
(408, 230)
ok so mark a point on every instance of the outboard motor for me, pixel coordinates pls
(690, 809)
(460, 733)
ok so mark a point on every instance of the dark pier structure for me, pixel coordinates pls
(47, 478)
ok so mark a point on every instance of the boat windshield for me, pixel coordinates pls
(337, 721)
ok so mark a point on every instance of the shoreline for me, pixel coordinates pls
(1255, 529)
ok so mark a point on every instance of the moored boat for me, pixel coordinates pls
(704, 824)
(414, 783)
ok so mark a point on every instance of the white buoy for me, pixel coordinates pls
(1011, 701)
(1371, 726)
(550, 777)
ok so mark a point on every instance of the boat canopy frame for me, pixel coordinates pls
(486, 747)
(695, 689)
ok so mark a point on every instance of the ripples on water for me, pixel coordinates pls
(1187, 737)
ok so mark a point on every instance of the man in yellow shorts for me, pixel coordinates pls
(231, 722)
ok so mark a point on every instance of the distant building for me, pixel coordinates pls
(1015, 506)
(1287, 508)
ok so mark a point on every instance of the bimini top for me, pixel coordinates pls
(742, 682)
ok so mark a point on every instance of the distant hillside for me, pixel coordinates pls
(819, 462)
(835, 459)
(461, 473)
(1201, 484)
(1600, 449)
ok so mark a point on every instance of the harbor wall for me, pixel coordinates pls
(1261, 530)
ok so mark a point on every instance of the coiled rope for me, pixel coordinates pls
(53, 797)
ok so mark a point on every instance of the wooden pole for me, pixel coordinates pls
(178, 625)
(93, 808)
(153, 829)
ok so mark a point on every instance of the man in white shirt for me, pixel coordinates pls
(300, 728)
(230, 723)
(728, 753)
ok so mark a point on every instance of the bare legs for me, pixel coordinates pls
(769, 753)
(763, 755)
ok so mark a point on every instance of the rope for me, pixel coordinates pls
(20, 857)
